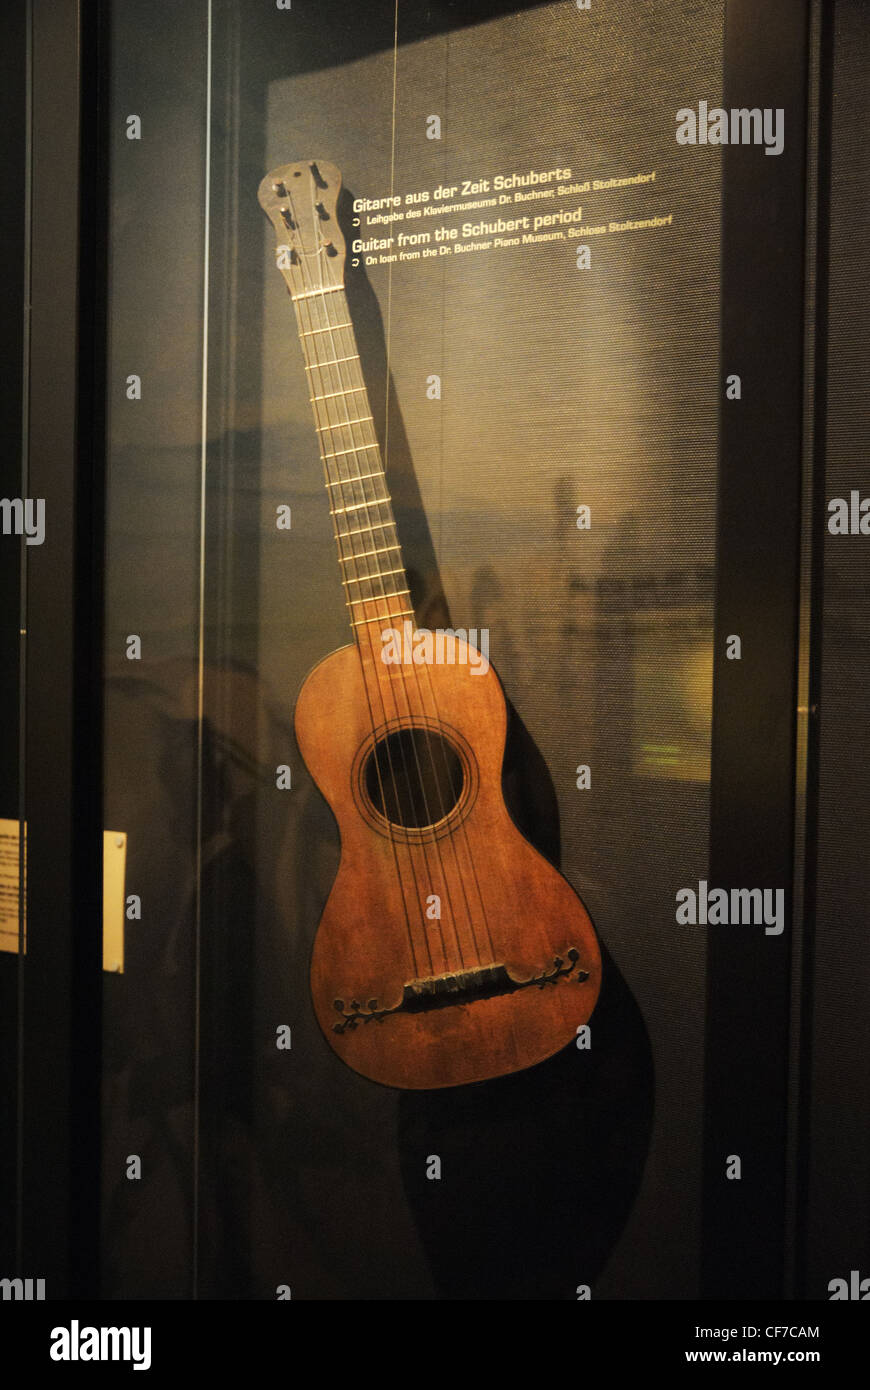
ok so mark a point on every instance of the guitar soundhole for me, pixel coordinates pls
(413, 777)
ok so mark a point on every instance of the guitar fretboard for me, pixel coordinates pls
(359, 501)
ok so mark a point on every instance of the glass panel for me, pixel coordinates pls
(158, 63)
(529, 288)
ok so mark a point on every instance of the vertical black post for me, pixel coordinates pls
(13, 109)
(62, 794)
(754, 714)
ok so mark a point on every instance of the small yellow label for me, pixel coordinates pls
(9, 875)
(114, 871)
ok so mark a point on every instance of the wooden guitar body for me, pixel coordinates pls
(449, 950)
(511, 968)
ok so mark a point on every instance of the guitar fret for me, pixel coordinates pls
(364, 530)
(312, 294)
(331, 395)
(330, 328)
(357, 449)
(393, 593)
(376, 602)
(333, 362)
(375, 502)
(378, 574)
(360, 478)
(379, 617)
(380, 550)
(378, 595)
(343, 424)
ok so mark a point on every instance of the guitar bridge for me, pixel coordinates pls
(457, 987)
(460, 987)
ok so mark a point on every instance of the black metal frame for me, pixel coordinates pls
(752, 1226)
(62, 970)
(14, 137)
(815, 530)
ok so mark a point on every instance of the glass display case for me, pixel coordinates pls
(438, 869)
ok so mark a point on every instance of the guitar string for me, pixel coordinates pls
(339, 352)
(425, 731)
(380, 600)
(373, 721)
(463, 830)
(365, 505)
(306, 307)
(374, 532)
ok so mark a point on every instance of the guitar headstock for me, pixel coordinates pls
(300, 201)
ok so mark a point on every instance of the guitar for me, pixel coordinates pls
(449, 950)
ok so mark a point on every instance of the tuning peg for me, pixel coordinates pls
(288, 220)
(317, 176)
(280, 189)
(329, 248)
(321, 212)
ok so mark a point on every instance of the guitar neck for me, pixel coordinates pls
(369, 554)
(301, 199)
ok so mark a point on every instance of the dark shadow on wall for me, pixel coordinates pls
(539, 1169)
